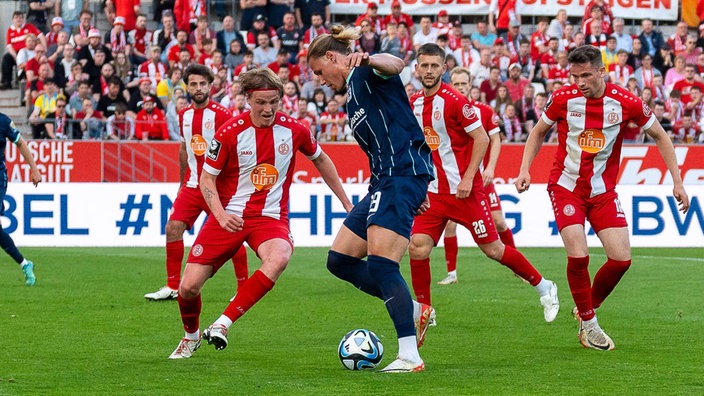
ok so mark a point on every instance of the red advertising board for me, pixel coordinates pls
(79, 161)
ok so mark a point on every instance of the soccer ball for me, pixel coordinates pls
(360, 349)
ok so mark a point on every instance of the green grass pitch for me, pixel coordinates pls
(86, 329)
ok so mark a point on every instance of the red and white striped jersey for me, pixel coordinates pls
(489, 120)
(198, 127)
(155, 71)
(590, 134)
(447, 118)
(255, 165)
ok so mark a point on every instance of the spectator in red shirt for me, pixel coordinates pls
(375, 19)
(150, 122)
(15, 38)
(515, 83)
(398, 17)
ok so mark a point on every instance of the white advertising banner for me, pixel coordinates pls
(654, 9)
(127, 214)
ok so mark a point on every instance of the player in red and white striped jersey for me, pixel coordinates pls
(198, 123)
(245, 181)
(459, 142)
(591, 116)
(460, 79)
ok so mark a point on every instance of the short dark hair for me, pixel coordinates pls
(431, 49)
(198, 70)
(114, 80)
(586, 54)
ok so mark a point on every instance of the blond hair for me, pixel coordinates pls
(340, 40)
(260, 79)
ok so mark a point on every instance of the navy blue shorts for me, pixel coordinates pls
(392, 204)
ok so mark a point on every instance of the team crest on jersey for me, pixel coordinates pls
(646, 110)
(568, 210)
(591, 140)
(197, 250)
(613, 118)
(198, 145)
(432, 139)
(209, 124)
(264, 176)
(467, 111)
(214, 149)
(437, 115)
(284, 149)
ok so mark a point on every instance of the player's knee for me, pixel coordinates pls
(337, 262)
(188, 290)
(175, 229)
(420, 248)
(493, 250)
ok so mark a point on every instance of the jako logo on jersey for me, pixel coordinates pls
(246, 152)
(592, 141)
(214, 149)
(264, 176)
(467, 111)
(357, 117)
(198, 145)
(431, 138)
(576, 115)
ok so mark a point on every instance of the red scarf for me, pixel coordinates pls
(117, 44)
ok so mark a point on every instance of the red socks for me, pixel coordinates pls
(174, 259)
(520, 265)
(606, 280)
(420, 278)
(252, 290)
(190, 313)
(450, 253)
(580, 285)
(507, 238)
(239, 261)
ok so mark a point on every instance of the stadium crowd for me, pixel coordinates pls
(79, 82)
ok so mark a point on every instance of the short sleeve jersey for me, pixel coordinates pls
(447, 118)
(8, 131)
(15, 36)
(590, 135)
(489, 120)
(198, 127)
(384, 126)
(255, 165)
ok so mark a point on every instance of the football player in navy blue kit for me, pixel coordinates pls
(379, 226)
(8, 131)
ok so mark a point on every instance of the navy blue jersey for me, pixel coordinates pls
(384, 126)
(8, 131)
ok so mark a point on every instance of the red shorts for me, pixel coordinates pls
(214, 245)
(494, 201)
(603, 211)
(189, 204)
(472, 212)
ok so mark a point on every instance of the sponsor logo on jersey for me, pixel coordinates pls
(357, 117)
(264, 176)
(198, 145)
(432, 139)
(576, 115)
(214, 149)
(591, 140)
